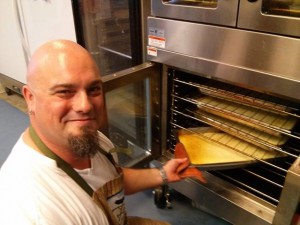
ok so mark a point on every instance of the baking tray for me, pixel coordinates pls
(250, 134)
(269, 122)
(211, 149)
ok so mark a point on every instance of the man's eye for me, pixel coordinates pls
(95, 91)
(64, 93)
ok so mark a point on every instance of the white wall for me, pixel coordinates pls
(43, 20)
(12, 61)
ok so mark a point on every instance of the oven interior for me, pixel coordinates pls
(240, 117)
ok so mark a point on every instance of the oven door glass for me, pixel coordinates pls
(282, 7)
(272, 16)
(108, 29)
(197, 3)
(132, 101)
(204, 11)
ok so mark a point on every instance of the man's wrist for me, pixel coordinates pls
(163, 175)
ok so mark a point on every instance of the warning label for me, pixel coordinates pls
(152, 51)
(158, 42)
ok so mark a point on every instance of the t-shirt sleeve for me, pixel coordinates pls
(107, 145)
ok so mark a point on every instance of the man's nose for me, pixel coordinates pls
(82, 102)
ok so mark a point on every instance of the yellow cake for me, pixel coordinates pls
(203, 148)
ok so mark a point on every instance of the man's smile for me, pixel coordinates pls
(81, 120)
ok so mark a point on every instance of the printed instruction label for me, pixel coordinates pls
(157, 41)
(156, 37)
(152, 51)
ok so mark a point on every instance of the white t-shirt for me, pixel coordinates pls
(34, 191)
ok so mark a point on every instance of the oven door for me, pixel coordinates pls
(132, 99)
(204, 11)
(273, 16)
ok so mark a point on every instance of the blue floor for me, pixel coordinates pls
(181, 213)
(12, 123)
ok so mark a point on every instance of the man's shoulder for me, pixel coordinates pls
(105, 142)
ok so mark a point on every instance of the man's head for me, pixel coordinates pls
(63, 93)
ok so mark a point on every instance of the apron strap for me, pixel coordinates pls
(60, 162)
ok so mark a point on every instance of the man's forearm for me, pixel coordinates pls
(136, 180)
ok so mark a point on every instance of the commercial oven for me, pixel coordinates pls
(273, 16)
(229, 84)
(207, 11)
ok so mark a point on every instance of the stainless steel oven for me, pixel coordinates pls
(255, 71)
(198, 71)
(261, 189)
(207, 11)
(242, 67)
(273, 16)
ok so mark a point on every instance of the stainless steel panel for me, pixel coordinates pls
(226, 201)
(252, 17)
(237, 75)
(230, 203)
(290, 197)
(224, 14)
(262, 61)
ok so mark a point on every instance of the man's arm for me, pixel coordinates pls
(136, 180)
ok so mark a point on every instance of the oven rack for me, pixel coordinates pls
(290, 148)
(273, 198)
(243, 119)
(267, 121)
(273, 183)
(269, 186)
(265, 178)
(244, 96)
(228, 128)
(260, 138)
(255, 159)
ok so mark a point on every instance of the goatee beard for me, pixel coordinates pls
(86, 144)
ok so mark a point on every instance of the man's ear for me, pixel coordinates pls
(28, 95)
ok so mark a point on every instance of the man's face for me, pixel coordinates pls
(68, 100)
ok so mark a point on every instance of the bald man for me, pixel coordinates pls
(59, 171)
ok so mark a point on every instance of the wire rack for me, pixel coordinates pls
(261, 176)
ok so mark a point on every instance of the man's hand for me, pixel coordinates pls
(178, 168)
(174, 167)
